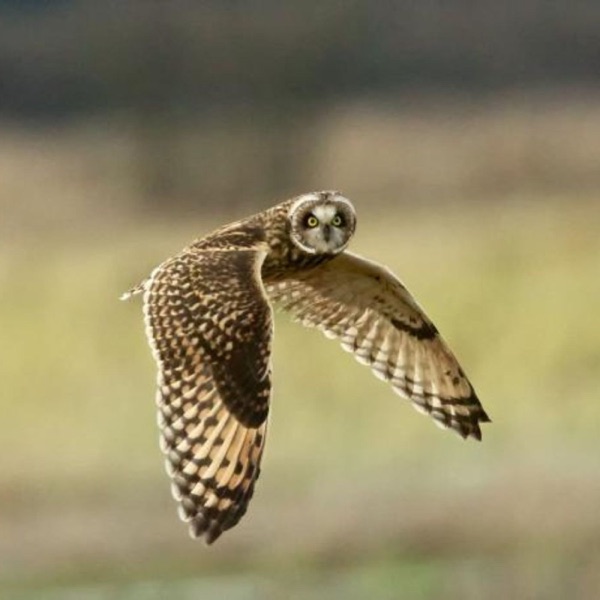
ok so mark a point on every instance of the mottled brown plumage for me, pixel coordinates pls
(209, 322)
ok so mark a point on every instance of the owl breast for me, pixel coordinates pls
(285, 259)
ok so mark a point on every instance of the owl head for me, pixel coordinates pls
(322, 222)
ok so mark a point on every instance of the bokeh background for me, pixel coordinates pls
(468, 136)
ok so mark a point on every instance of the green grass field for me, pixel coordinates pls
(360, 496)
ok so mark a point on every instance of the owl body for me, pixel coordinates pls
(271, 228)
(208, 315)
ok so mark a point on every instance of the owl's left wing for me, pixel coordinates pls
(374, 316)
(209, 324)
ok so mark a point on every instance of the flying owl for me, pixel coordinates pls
(209, 322)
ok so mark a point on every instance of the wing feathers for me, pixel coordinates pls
(374, 317)
(211, 339)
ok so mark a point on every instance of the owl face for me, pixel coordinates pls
(322, 222)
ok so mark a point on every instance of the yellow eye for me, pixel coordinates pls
(312, 221)
(337, 221)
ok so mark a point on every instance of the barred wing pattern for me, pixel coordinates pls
(210, 327)
(374, 316)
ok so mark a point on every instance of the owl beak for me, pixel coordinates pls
(327, 232)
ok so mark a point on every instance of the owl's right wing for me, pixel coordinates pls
(374, 316)
(209, 324)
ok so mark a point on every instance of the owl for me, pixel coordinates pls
(209, 321)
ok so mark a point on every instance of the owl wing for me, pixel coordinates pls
(374, 316)
(209, 324)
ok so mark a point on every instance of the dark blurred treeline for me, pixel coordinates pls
(277, 65)
(61, 57)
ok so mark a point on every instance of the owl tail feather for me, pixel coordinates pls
(134, 291)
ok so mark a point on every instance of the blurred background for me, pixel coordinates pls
(467, 135)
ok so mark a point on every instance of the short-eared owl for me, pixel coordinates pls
(209, 323)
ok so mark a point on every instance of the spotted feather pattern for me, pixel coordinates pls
(211, 338)
(373, 315)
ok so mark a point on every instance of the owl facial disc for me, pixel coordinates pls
(322, 222)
